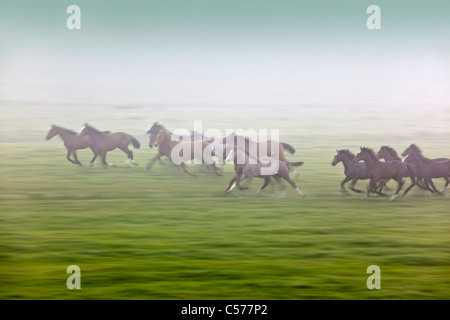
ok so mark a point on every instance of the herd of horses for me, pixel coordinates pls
(250, 158)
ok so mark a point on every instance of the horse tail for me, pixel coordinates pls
(294, 164)
(288, 147)
(135, 143)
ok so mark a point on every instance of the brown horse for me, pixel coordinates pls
(429, 168)
(353, 170)
(379, 170)
(250, 169)
(153, 132)
(72, 141)
(256, 149)
(103, 142)
(388, 154)
(182, 151)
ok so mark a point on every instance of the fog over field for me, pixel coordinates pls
(243, 53)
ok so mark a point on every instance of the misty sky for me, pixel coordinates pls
(226, 51)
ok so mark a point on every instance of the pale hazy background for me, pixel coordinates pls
(222, 55)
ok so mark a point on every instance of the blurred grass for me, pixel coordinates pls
(164, 235)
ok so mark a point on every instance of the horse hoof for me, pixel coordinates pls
(394, 197)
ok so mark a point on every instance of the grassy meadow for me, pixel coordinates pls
(164, 235)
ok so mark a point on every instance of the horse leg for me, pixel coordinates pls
(343, 190)
(293, 184)
(413, 183)
(446, 185)
(266, 183)
(93, 159)
(352, 187)
(279, 181)
(434, 187)
(216, 170)
(247, 183)
(235, 181)
(400, 185)
(76, 158)
(69, 152)
(378, 187)
(152, 162)
(104, 162)
(383, 184)
(183, 165)
(130, 156)
(232, 184)
(103, 158)
(132, 159)
(423, 184)
(371, 187)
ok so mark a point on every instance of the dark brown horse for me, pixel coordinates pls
(250, 169)
(103, 142)
(429, 169)
(182, 151)
(379, 170)
(353, 170)
(389, 154)
(72, 141)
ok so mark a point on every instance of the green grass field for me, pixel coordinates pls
(164, 235)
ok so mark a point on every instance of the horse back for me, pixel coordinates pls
(79, 142)
(394, 168)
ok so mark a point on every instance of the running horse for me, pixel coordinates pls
(175, 151)
(269, 148)
(353, 171)
(388, 154)
(72, 141)
(379, 170)
(429, 168)
(257, 168)
(103, 142)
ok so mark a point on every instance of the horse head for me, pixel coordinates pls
(53, 132)
(412, 149)
(153, 132)
(336, 158)
(361, 155)
(381, 154)
(159, 138)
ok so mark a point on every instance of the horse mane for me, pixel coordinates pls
(370, 152)
(155, 128)
(96, 131)
(92, 128)
(347, 153)
(391, 151)
(414, 146)
(67, 130)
